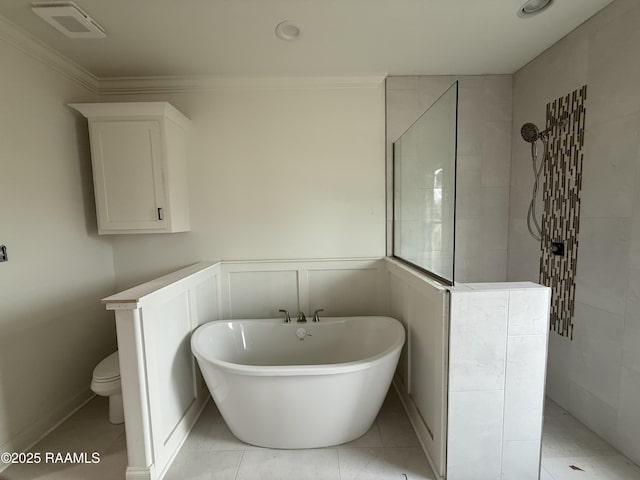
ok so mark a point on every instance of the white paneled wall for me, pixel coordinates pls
(422, 306)
(162, 388)
(487, 359)
(258, 289)
(497, 355)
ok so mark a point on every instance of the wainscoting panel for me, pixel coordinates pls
(260, 294)
(172, 377)
(344, 287)
(344, 292)
(162, 388)
(422, 306)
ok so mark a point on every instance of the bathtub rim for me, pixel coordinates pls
(300, 370)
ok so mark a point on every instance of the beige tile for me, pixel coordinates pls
(86, 431)
(110, 468)
(370, 439)
(631, 342)
(472, 82)
(392, 402)
(402, 82)
(396, 431)
(430, 88)
(520, 460)
(613, 75)
(565, 436)
(591, 468)
(383, 464)
(628, 418)
(544, 474)
(195, 465)
(496, 154)
(497, 91)
(611, 152)
(212, 433)
(474, 443)
(469, 136)
(603, 263)
(267, 464)
(402, 111)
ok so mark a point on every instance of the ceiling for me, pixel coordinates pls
(236, 37)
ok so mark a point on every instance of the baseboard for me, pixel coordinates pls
(192, 423)
(137, 473)
(412, 419)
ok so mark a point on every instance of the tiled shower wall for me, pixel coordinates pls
(484, 156)
(562, 179)
(596, 376)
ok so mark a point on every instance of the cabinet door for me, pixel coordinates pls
(128, 174)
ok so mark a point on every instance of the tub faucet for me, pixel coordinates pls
(287, 317)
(301, 317)
(316, 317)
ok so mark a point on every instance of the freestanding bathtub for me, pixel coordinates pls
(299, 385)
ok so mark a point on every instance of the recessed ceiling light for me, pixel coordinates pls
(287, 31)
(533, 7)
(69, 19)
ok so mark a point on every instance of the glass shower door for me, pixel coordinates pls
(424, 174)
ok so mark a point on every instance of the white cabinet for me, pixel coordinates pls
(138, 154)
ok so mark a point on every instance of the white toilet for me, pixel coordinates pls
(106, 382)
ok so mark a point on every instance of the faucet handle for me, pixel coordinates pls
(316, 317)
(301, 317)
(287, 317)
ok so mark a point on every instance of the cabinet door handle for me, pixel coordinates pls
(160, 213)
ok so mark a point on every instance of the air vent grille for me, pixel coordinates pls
(69, 19)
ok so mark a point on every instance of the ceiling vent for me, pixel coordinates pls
(69, 19)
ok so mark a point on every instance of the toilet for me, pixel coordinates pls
(106, 382)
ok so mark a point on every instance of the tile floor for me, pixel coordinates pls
(570, 451)
(87, 431)
(388, 451)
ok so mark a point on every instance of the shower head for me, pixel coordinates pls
(530, 132)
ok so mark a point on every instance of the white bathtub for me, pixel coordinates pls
(277, 390)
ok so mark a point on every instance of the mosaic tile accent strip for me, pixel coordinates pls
(561, 213)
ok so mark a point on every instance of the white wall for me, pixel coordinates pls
(483, 162)
(597, 375)
(277, 170)
(340, 287)
(497, 358)
(163, 391)
(53, 329)
(421, 377)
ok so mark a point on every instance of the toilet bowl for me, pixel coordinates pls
(106, 382)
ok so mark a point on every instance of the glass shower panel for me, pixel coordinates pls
(424, 170)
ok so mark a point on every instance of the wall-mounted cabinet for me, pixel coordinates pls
(138, 152)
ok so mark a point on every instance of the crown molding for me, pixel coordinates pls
(33, 47)
(150, 85)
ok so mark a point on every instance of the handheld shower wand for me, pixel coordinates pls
(531, 134)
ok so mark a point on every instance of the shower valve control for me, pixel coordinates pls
(557, 248)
